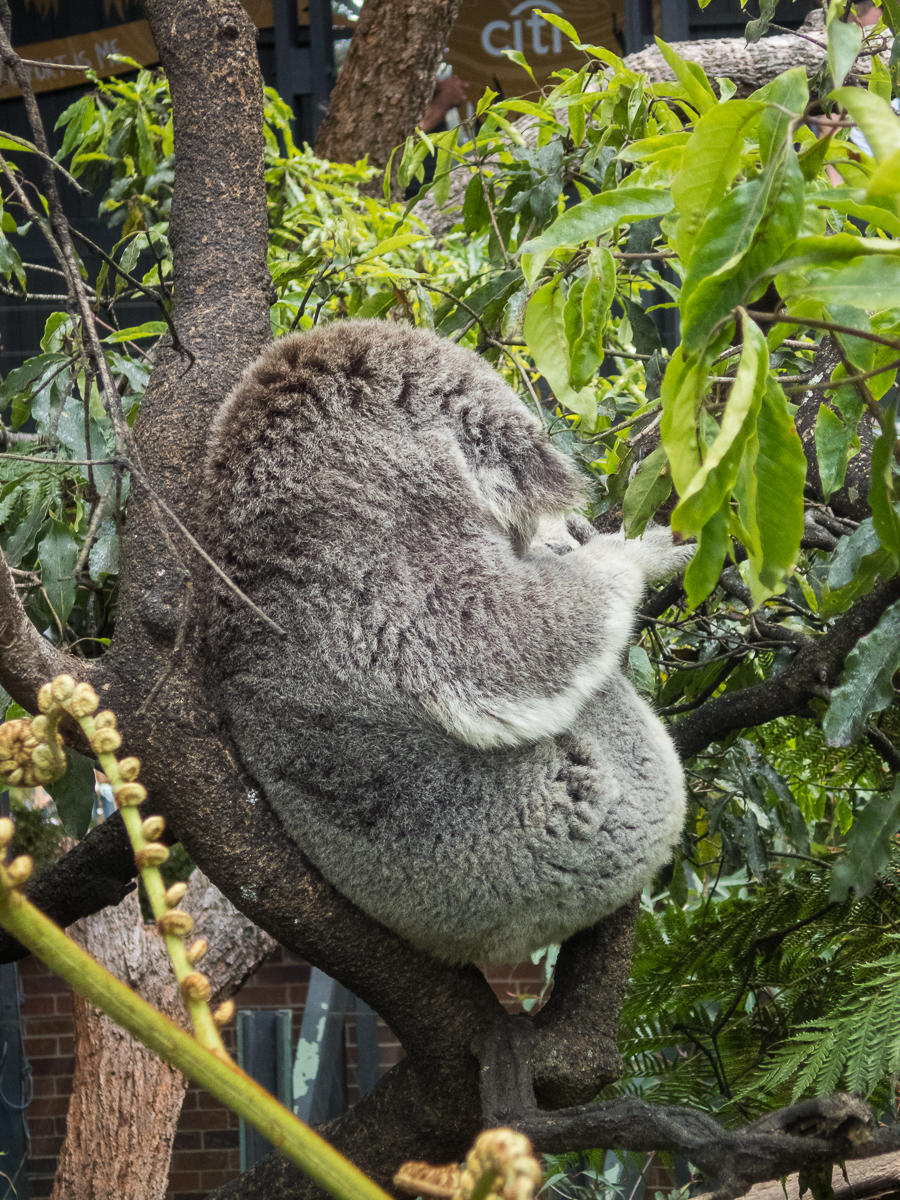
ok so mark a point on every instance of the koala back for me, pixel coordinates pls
(444, 730)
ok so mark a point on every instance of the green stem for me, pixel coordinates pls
(221, 1079)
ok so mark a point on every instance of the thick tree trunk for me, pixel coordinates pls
(388, 78)
(125, 1101)
(750, 67)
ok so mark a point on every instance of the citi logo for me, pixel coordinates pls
(537, 25)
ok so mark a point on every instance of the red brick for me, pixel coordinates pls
(205, 1100)
(44, 1147)
(42, 1087)
(185, 1181)
(51, 1066)
(214, 1179)
(41, 1126)
(37, 1004)
(48, 1106)
(45, 1026)
(41, 1047)
(201, 1160)
(204, 1118)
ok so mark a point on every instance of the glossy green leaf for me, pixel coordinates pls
(545, 334)
(871, 283)
(868, 850)
(833, 440)
(711, 160)
(588, 220)
(650, 487)
(682, 388)
(691, 77)
(74, 794)
(787, 94)
(866, 685)
(713, 546)
(737, 244)
(882, 495)
(586, 314)
(875, 117)
(781, 475)
(57, 555)
(148, 329)
(718, 473)
(844, 43)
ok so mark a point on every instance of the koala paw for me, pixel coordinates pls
(659, 555)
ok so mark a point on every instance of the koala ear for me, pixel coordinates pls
(520, 474)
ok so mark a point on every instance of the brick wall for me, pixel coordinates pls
(205, 1154)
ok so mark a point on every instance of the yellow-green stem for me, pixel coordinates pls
(222, 1079)
(205, 1028)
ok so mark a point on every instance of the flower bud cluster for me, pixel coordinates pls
(26, 759)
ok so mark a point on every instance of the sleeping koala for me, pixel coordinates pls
(445, 731)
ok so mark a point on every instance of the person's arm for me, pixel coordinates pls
(448, 93)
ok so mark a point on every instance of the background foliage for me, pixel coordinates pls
(618, 249)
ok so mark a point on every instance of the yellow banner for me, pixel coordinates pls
(485, 28)
(93, 49)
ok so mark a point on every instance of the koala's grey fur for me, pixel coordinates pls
(445, 731)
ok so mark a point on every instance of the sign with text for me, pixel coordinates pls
(485, 28)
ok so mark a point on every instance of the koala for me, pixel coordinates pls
(445, 731)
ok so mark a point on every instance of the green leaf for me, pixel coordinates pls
(787, 94)
(545, 334)
(57, 555)
(844, 43)
(705, 567)
(866, 685)
(148, 329)
(476, 213)
(875, 117)
(682, 387)
(881, 491)
(640, 670)
(871, 283)
(691, 77)
(748, 231)
(711, 160)
(588, 220)
(718, 474)
(520, 60)
(649, 488)
(74, 794)
(833, 441)
(780, 471)
(585, 316)
(394, 243)
(760, 26)
(868, 847)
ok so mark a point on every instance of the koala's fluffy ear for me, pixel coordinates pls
(521, 475)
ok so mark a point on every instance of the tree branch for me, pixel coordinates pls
(27, 659)
(815, 668)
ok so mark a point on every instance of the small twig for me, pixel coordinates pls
(157, 499)
(33, 62)
(625, 424)
(637, 254)
(783, 318)
(520, 367)
(46, 157)
(61, 462)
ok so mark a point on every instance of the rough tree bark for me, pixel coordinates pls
(749, 66)
(387, 80)
(125, 1101)
(454, 1030)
